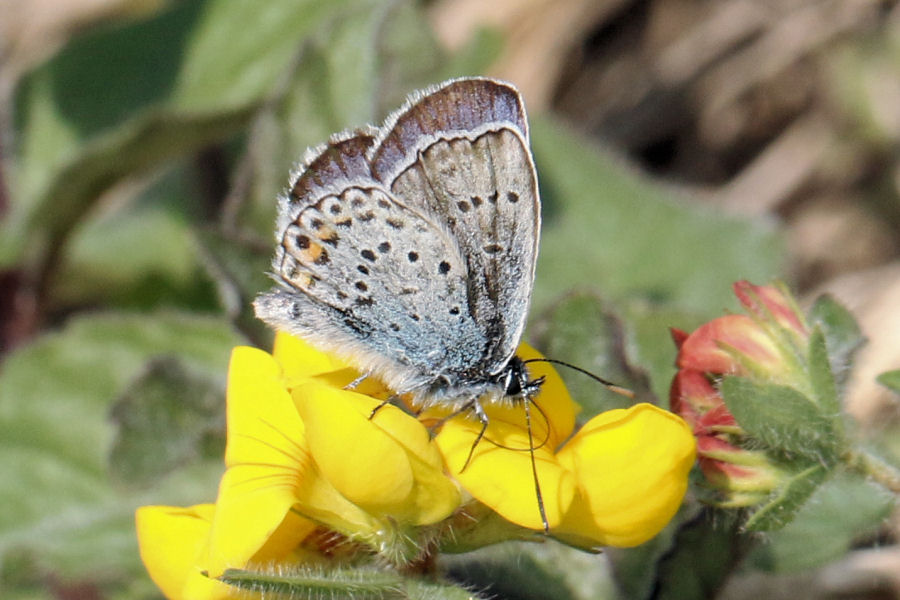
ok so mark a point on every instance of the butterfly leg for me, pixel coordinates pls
(355, 383)
(482, 416)
(390, 400)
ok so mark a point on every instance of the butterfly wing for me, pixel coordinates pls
(461, 155)
(368, 278)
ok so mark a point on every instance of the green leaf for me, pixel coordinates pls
(842, 334)
(702, 554)
(821, 376)
(139, 254)
(842, 511)
(581, 330)
(791, 495)
(56, 435)
(309, 583)
(169, 416)
(605, 227)
(890, 380)
(532, 571)
(190, 76)
(648, 342)
(782, 418)
(238, 267)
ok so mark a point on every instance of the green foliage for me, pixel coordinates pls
(824, 528)
(783, 418)
(64, 509)
(842, 334)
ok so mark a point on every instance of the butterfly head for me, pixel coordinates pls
(514, 380)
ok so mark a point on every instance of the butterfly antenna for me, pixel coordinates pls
(618, 389)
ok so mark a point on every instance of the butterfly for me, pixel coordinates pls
(409, 250)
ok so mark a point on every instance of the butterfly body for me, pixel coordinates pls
(409, 250)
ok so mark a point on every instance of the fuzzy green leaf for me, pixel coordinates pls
(532, 572)
(167, 417)
(844, 509)
(605, 227)
(704, 552)
(782, 418)
(792, 494)
(842, 334)
(56, 435)
(318, 583)
(820, 374)
(581, 330)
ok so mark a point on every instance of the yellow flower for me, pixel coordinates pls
(617, 482)
(301, 453)
(305, 459)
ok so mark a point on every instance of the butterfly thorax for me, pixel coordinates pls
(511, 384)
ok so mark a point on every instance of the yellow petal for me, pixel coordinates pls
(300, 360)
(172, 543)
(253, 521)
(502, 477)
(267, 440)
(632, 468)
(263, 424)
(386, 465)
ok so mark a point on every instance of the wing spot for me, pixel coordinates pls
(303, 242)
(414, 317)
(454, 310)
(295, 311)
(360, 301)
(394, 327)
(368, 255)
(322, 258)
(384, 247)
(362, 269)
(384, 203)
(341, 295)
(493, 248)
(316, 223)
(476, 201)
(413, 257)
(332, 239)
(512, 197)
(395, 223)
(409, 290)
(357, 201)
(335, 208)
(463, 206)
(493, 197)
(361, 286)
(367, 216)
(444, 267)
(344, 222)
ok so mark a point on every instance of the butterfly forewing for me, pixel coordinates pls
(461, 155)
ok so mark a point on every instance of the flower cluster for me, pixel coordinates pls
(758, 371)
(313, 478)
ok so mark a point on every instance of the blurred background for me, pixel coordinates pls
(681, 145)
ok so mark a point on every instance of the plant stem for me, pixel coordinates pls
(875, 467)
